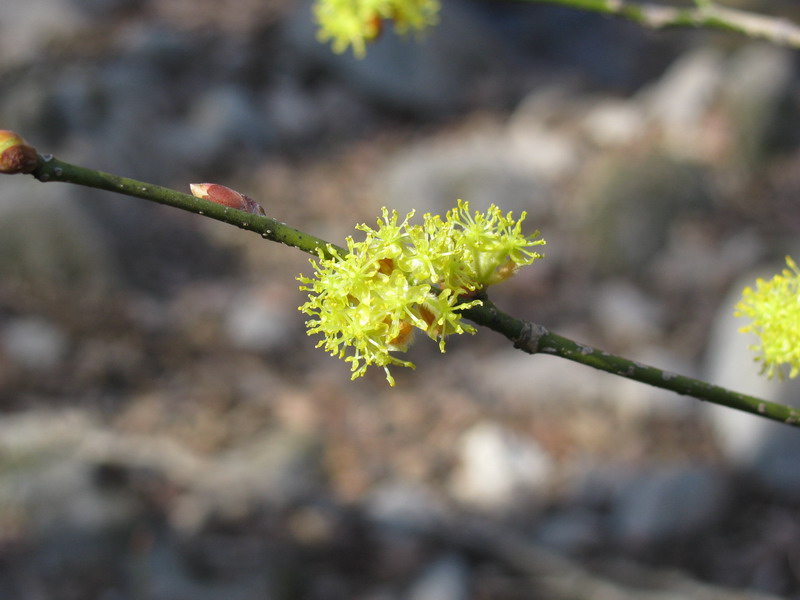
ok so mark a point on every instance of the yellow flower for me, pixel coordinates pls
(368, 302)
(352, 23)
(494, 244)
(774, 310)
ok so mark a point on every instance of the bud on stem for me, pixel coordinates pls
(16, 155)
(226, 197)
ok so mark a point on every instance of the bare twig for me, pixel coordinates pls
(705, 14)
(536, 339)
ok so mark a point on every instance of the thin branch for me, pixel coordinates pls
(534, 338)
(705, 14)
(50, 168)
(527, 336)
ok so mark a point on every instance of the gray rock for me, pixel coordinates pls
(47, 461)
(293, 111)
(48, 485)
(625, 314)
(277, 467)
(403, 515)
(34, 343)
(571, 531)
(447, 578)
(663, 503)
(746, 89)
(693, 264)
(612, 122)
(632, 202)
(222, 124)
(678, 103)
(259, 319)
(405, 506)
(47, 240)
(480, 166)
(28, 27)
(760, 78)
(499, 470)
(533, 144)
(163, 573)
(106, 8)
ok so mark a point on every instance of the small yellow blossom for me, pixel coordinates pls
(368, 302)
(352, 23)
(774, 310)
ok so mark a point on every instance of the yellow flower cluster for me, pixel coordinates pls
(352, 23)
(774, 309)
(368, 302)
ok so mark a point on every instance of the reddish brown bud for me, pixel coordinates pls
(16, 156)
(226, 197)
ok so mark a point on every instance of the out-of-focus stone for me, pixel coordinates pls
(260, 319)
(760, 79)
(480, 166)
(629, 204)
(666, 503)
(445, 578)
(679, 102)
(34, 343)
(499, 470)
(48, 241)
(27, 27)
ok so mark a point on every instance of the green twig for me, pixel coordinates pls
(50, 168)
(534, 338)
(527, 336)
(704, 14)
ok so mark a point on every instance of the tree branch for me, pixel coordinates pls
(704, 14)
(50, 168)
(526, 336)
(534, 338)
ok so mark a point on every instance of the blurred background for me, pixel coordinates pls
(168, 430)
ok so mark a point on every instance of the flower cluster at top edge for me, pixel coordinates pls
(354, 23)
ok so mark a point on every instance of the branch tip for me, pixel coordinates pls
(16, 155)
